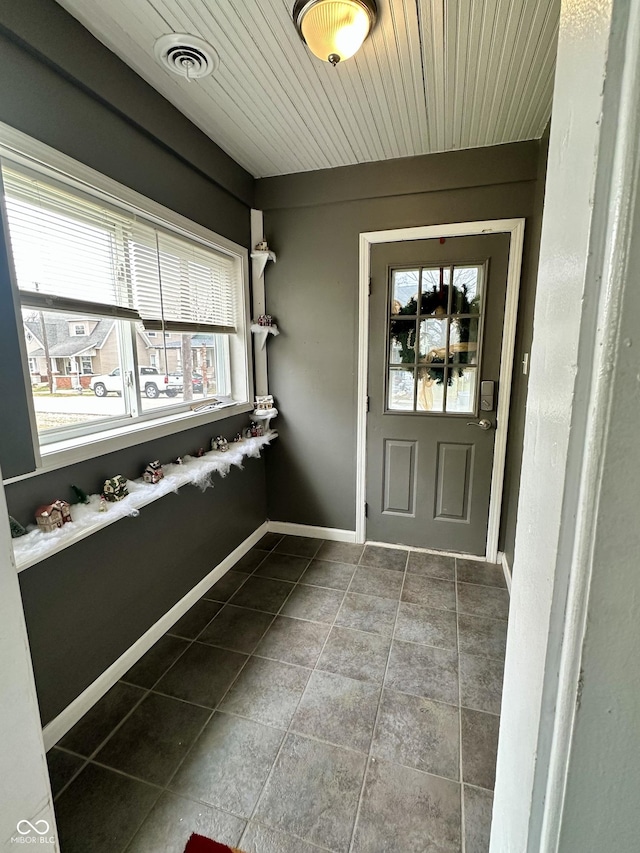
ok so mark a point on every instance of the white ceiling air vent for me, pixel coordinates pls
(185, 55)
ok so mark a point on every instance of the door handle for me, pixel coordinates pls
(484, 423)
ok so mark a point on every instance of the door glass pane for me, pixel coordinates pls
(402, 341)
(430, 397)
(463, 340)
(404, 292)
(75, 379)
(433, 341)
(461, 393)
(400, 390)
(435, 291)
(467, 290)
(448, 321)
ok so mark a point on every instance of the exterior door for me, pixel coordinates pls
(435, 337)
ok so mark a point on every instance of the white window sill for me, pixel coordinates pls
(87, 518)
(75, 450)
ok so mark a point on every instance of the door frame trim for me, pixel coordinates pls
(513, 227)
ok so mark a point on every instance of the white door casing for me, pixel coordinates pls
(514, 227)
(567, 594)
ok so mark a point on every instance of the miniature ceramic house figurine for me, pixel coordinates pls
(262, 246)
(153, 473)
(220, 443)
(237, 438)
(199, 453)
(177, 460)
(115, 489)
(52, 516)
(264, 404)
(255, 430)
(265, 320)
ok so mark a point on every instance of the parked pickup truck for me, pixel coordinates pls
(152, 383)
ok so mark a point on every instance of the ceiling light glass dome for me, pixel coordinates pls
(334, 29)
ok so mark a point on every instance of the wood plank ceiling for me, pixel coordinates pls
(435, 75)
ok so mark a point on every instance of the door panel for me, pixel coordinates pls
(435, 336)
(454, 477)
(399, 476)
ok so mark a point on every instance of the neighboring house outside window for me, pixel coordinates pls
(79, 330)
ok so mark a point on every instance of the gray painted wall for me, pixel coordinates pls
(520, 383)
(65, 88)
(313, 221)
(85, 606)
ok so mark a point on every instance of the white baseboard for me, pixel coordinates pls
(460, 554)
(332, 534)
(60, 725)
(506, 570)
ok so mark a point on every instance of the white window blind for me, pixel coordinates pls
(181, 285)
(75, 253)
(67, 249)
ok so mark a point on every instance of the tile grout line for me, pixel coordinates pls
(288, 730)
(166, 788)
(249, 655)
(147, 692)
(370, 758)
(302, 695)
(162, 789)
(463, 839)
(191, 642)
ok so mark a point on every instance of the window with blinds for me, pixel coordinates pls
(74, 253)
(125, 313)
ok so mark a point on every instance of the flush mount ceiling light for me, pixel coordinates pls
(334, 30)
(186, 55)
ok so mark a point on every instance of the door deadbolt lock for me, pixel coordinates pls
(487, 395)
(484, 423)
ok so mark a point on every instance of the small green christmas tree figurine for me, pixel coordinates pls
(80, 496)
(16, 528)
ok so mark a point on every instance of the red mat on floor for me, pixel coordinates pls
(200, 844)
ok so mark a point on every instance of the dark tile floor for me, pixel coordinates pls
(322, 696)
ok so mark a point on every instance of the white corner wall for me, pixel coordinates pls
(589, 181)
(25, 793)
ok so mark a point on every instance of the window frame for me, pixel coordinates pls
(16, 147)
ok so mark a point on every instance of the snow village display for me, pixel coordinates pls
(81, 497)
(52, 516)
(115, 489)
(219, 443)
(16, 528)
(153, 473)
(254, 430)
(264, 404)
